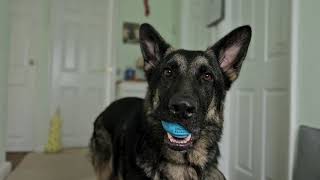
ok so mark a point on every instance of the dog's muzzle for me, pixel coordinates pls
(182, 107)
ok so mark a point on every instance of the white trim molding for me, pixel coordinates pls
(5, 169)
(294, 91)
(110, 89)
(39, 148)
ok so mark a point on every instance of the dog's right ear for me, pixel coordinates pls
(231, 51)
(153, 46)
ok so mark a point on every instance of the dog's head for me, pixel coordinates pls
(188, 87)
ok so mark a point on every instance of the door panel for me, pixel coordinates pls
(275, 104)
(260, 97)
(79, 65)
(245, 130)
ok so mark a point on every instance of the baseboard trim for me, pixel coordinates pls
(39, 149)
(5, 169)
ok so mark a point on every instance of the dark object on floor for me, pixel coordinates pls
(307, 165)
(15, 158)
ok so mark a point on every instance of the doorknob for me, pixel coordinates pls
(31, 62)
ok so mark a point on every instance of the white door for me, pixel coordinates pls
(260, 98)
(21, 77)
(80, 60)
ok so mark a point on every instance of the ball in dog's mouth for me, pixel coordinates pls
(177, 136)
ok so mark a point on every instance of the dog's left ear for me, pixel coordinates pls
(153, 46)
(230, 51)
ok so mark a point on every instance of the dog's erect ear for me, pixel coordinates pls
(230, 51)
(153, 46)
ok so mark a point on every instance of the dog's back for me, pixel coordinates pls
(114, 128)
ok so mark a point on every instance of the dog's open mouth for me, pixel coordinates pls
(179, 144)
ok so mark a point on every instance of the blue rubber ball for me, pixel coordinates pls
(175, 129)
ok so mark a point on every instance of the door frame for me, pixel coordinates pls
(112, 53)
(294, 83)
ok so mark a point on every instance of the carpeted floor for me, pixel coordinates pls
(71, 164)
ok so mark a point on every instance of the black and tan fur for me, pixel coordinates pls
(128, 140)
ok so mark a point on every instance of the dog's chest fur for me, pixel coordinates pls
(170, 171)
(176, 165)
(173, 171)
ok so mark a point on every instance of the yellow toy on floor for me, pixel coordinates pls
(54, 140)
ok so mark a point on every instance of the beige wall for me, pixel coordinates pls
(309, 63)
(4, 45)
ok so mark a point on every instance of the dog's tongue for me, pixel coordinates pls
(175, 129)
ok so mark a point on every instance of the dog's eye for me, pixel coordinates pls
(167, 72)
(207, 77)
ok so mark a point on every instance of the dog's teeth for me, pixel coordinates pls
(188, 138)
(178, 141)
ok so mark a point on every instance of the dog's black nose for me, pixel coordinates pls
(182, 108)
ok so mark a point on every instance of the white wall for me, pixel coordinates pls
(309, 63)
(4, 44)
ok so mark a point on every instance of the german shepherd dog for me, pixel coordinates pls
(184, 87)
